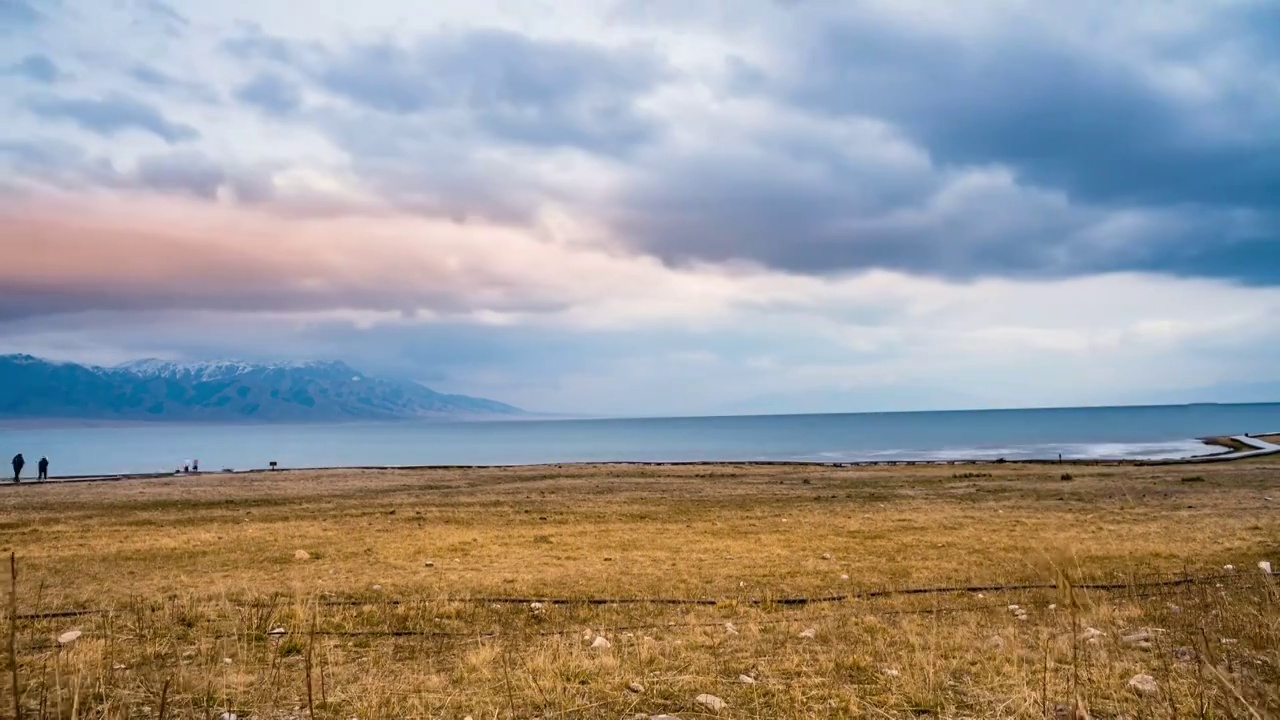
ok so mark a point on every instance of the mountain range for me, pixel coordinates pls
(313, 391)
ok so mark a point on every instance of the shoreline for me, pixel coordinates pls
(1235, 447)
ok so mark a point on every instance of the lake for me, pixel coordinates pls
(1076, 433)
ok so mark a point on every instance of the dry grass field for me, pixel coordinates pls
(408, 594)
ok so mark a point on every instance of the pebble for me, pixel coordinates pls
(1143, 684)
(228, 716)
(891, 672)
(826, 556)
(301, 555)
(809, 633)
(636, 687)
(1229, 568)
(600, 643)
(69, 636)
(277, 632)
(844, 577)
(537, 608)
(429, 563)
(729, 629)
(1184, 654)
(710, 702)
(746, 680)
(587, 634)
(1264, 566)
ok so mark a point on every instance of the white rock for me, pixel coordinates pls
(301, 555)
(228, 716)
(277, 632)
(890, 672)
(826, 556)
(636, 687)
(1229, 568)
(746, 680)
(377, 588)
(69, 636)
(537, 608)
(1014, 608)
(429, 563)
(226, 661)
(600, 643)
(809, 633)
(729, 629)
(1053, 606)
(1143, 684)
(1092, 634)
(710, 702)
(587, 634)
(1264, 566)
(844, 577)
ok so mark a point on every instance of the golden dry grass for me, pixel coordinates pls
(190, 575)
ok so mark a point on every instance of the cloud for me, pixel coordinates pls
(163, 15)
(156, 79)
(516, 88)
(112, 114)
(37, 68)
(271, 93)
(17, 14)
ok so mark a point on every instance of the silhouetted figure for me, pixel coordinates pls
(43, 467)
(195, 466)
(18, 464)
(186, 469)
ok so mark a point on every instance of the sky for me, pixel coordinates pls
(659, 207)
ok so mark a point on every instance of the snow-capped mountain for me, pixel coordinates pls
(222, 391)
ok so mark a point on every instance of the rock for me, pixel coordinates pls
(429, 563)
(377, 588)
(636, 687)
(228, 716)
(537, 609)
(809, 633)
(1140, 639)
(746, 680)
(1092, 635)
(1014, 608)
(277, 632)
(587, 634)
(1184, 654)
(226, 661)
(69, 636)
(600, 643)
(729, 629)
(1053, 606)
(301, 555)
(845, 578)
(1229, 568)
(710, 702)
(826, 556)
(1264, 566)
(1143, 684)
(890, 672)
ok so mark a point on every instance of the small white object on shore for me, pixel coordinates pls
(710, 702)
(69, 636)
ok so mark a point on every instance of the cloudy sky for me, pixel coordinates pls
(656, 207)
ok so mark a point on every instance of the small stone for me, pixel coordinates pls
(226, 661)
(429, 563)
(826, 556)
(1143, 684)
(844, 577)
(1053, 606)
(1264, 566)
(746, 680)
(600, 643)
(729, 629)
(537, 608)
(228, 716)
(377, 588)
(809, 633)
(277, 632)
(69, 636)
(587, 634)
(1014, 608)
(890, 672)
(1184, 654)
(710, 702)
(1229, 568)
(636, 688)
(301, 555)
(118, 666)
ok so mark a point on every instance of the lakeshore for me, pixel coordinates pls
(874, 591)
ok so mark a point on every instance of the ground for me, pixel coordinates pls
(409, 593)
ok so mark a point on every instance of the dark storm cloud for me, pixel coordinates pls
(1089, 122)
(112, 114)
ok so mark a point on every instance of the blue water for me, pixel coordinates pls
(1076, 433)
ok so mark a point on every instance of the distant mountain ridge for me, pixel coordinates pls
(312, 391)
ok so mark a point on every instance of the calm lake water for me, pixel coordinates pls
(1125, 432)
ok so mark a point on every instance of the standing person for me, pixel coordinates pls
(195, 465)
(18, 463)
(43, 468)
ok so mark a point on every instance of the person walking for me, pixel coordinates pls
(43, 467)
(18, 463)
